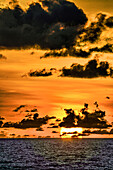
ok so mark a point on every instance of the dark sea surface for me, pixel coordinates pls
(56, 154)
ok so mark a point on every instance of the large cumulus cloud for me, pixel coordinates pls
(85, 119)
(48, 23)
(88, 40)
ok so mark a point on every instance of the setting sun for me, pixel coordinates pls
(69, 132)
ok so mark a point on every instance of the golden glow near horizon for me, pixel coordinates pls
(69, 132)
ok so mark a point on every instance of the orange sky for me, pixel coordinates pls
(53, 94)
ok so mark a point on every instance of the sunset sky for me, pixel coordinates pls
(56, 59)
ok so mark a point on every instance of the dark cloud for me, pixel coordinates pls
(107, 48)
(29, 115)
(35, 116)
(2, 57)
(13, 135)
(54, 126)
(85, 119)
(69, 133)
(2, 118)
(32, 53)
(53, 117)
(27, 111)
(33, 121)
(8, 124)
(69, 120)
(64, 133)
(18, 108)
(39, 73)
(58, 120)
(88, 132)
(47, 137)
(51, 124)
(1, 122)
(107, 97)
(94, 30)
(100, 132)
(2, 135)
(74, 134)
(92, 69)
(34, 110)
(39, 129)
(111, 131)
(90, 34)
(49, 24)
(78, 52)
(36, 123)
(82, 134)
(25, 136)
(96, 104)
(103, 132)
(72, 51)
(40, 137)
(109, 22)
(93, 120)
(54, 131)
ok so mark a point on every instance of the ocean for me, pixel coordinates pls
(56, 154)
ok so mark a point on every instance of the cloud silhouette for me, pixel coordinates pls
(90, 70)
(94, 30)
(111, 131)
(87, 133)
(1, 122)
(13, 135)
(27, 110)
(39, 73)
(85, 119)
(78, 52)
(33, 121)
(34, 110)
(51, 124)
(2, 57)
(2, 135)
(2, 118)
(109, 22)
(54, 126)
(35, 116)
(39, 129)
(92, 122)
(70, 133)
(58, 120)
(107, 48)
(72, 51)
(103, 132)
(54, 131)
(18, 108)
(69, 120)
(25, 136)
(18, 136)
(91, 33)
(49, 24)
(107, 97)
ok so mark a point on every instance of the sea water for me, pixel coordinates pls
(56, 154)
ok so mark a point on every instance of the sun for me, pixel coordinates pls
(69, 132)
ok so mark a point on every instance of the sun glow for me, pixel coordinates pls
(69, 132)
